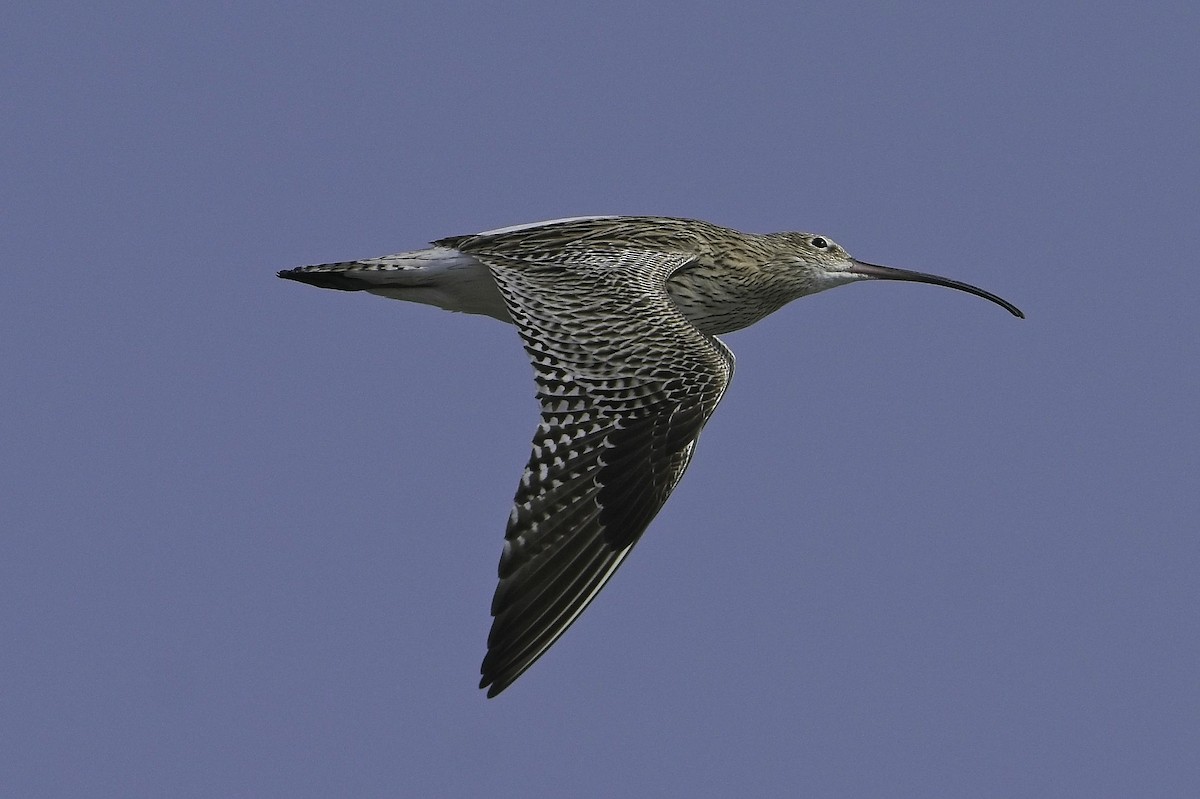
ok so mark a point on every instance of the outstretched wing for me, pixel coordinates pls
(625, 384)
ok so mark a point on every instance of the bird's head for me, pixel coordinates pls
(821, 264)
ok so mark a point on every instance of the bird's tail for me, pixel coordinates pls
(440, 276)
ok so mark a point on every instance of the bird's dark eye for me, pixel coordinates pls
(820, 243)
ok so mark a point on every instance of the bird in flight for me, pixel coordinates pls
(620, 317)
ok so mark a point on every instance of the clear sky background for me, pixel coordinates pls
(249, 529)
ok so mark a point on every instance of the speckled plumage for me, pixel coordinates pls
(619, 317)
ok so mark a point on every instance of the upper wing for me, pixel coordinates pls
(625, 384)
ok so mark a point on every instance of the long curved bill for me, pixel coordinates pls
(891, 273)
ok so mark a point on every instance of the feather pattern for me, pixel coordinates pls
(624, 393)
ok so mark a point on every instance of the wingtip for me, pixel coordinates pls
(494, 678)
(492, 686)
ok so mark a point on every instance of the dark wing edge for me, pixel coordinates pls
(624, 395)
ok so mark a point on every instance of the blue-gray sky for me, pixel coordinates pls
(249, 529)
